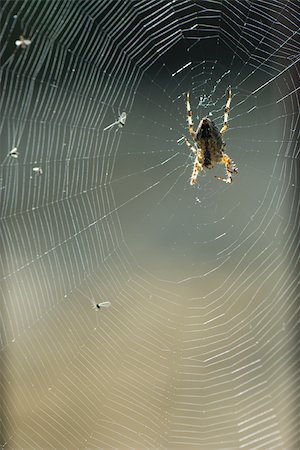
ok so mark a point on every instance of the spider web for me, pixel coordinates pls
(199, 346)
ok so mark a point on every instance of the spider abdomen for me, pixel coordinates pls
(211, 151)
(207, 158)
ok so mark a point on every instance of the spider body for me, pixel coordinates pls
(208, 145)
(209, 141)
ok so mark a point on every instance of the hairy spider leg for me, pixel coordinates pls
(196, 170)
(189, 116)
(226, 112)
(190, 146)
(230, 169)
(197, 164)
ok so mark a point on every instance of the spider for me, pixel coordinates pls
(208, 145)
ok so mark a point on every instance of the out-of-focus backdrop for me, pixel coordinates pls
(198, 348)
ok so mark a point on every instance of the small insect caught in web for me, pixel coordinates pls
(101, 305)
(22, 42)
(38, 171)
(120, 122)
(14, 153)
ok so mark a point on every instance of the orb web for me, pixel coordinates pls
(198, 348)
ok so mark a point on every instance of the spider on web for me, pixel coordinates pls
(208, 145)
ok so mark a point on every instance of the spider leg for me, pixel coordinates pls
(189, 116)
(230, 169)
(197, 164)
(190, 146)
(226, 112)
(196, 170)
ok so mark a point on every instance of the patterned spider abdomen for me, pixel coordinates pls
(210, 143)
